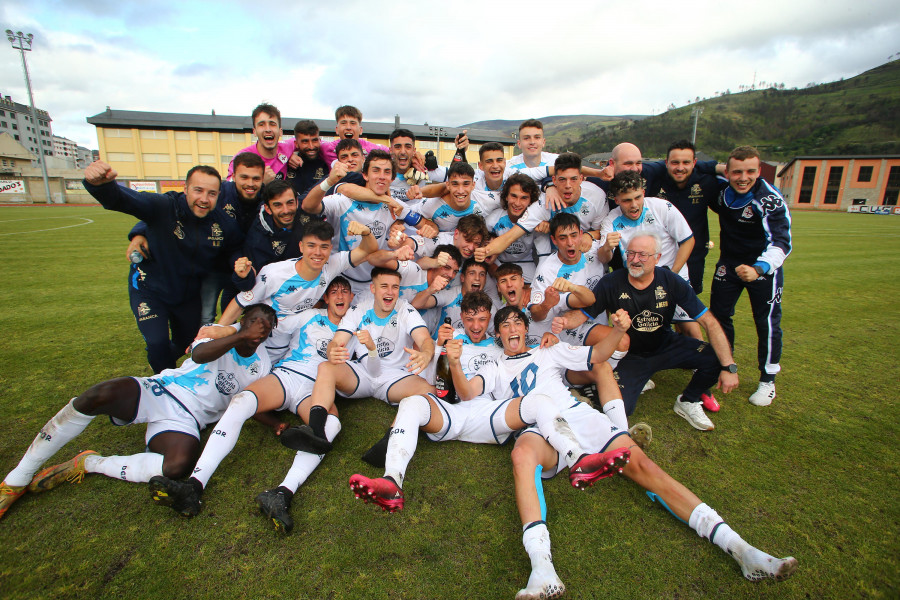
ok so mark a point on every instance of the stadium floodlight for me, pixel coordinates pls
(24, 41)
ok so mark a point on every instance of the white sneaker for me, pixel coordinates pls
(648, 386)
(764, 394)
(693, 413)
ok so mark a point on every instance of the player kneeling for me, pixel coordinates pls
(175, 404)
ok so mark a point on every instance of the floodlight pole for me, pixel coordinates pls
(695, 112)
(24, 44)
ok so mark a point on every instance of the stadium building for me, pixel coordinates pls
(841, 182)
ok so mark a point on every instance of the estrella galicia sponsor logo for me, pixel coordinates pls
(479, 361)
(226, 383)
(377, 228)
(593, 281)
(647, 321)
(384, 346)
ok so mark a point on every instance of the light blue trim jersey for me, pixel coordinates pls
(476, 356)
(445, 216)
(591, 208)
(311, 332)
(339, 210)
(588, 271)
(205, 390)
(391, 334)
(538, 370)
(524, 249)
(517, 162)
(658, 215)
(448, 306)
(281, 287)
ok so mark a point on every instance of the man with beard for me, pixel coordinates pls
(313, 168)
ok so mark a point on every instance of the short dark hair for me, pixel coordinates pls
(472, 225)
(563, 220)
(490, 147)
(248, 159)
(340, 280)
(531, 123)
(681, 145)
(321, 230)
(450, 249)
(206, 170)
(306, 127)
(378, 271)
(742, 153)
(471, 262)
(567, 160)
(504, 314)
(460, 168)
(265, 108)
(346, 143)
(525, 182)
(625, 181)
(276, 188)
(401, 133)
(475, 301)
(347, 111)
(508, 268)
(265, 309)
(379, 155)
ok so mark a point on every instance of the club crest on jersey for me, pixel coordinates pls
(393, 321)
(247, 296)
(748, 212)
(253, 369)
(720, 271)
(143, 309)
(647, 321)
(537, 297)
(384, 346)
(226, 383)
(282, 158)
(660, 293)
(179, 232)
(319, 174)
(278, 247)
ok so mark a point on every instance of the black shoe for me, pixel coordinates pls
(276, 505)
(182, 496)
(303, 439)
(376, 455)
(590, 392)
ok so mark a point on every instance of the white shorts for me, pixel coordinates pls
(477, 421)
(592, 428)
(297, 387)
(378, 388)
(161, 411)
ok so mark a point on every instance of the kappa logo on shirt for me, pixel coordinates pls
(624, 296)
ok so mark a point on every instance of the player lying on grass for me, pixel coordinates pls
(176, 404)
(287, 387)
(496, 402)
(534, 457)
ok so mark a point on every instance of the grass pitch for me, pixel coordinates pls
(814, 475)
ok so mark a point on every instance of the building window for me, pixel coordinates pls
(4, 123)
(184, 158)
(117, 133)
(226, 158)
(2, 113)
(865, 174)
(426, 145)
(204, 136)
(120, 156)
(892, 190)
(156, 158)
(206, 159)
(231, 137)
(835, 174)
(182, 135)
(16, 136)
(153, 134)
(806, 185)
(15, 127)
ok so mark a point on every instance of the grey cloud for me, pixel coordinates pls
(193, 69)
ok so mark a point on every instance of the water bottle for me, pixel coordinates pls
(136, 257)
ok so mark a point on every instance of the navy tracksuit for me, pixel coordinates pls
(165, 289)
(755, 231)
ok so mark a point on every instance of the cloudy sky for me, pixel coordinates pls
(446, 63)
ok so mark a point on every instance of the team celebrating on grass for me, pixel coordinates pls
(528, 301)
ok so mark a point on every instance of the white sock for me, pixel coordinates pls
(708, 524)
(305, 462)
(615, 410)
(617, 355)
(413, 412)
(541, 410)
(225, 435)
(58, 431)
(138, 468)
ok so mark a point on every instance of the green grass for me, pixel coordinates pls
(814, 475)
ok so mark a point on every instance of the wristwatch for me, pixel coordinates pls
(732, 368)
(759, 270)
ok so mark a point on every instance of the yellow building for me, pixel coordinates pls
(161, 147)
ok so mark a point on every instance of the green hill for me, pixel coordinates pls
(561, 131)
(852, 116)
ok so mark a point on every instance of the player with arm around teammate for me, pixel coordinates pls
(176, 404)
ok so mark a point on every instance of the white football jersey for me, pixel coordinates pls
(591, 208)
(540, 369)
(517, 162)
(522, 250)
(476, 356)
(448, 307)
(587, 272)
(445, 216)
(339, 210)
(311, 332)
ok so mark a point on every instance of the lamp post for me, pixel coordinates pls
(695, 112)
(24, 44)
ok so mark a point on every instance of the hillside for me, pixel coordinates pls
(856, 115)
(561, 131)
